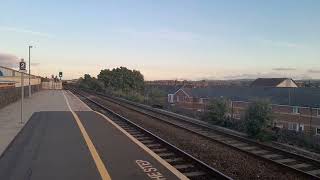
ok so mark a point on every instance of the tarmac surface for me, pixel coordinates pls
(69, 144)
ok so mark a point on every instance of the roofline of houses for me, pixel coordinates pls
(284, 105)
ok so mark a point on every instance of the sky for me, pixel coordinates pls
(164, 39)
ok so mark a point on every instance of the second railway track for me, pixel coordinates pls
(290, 161)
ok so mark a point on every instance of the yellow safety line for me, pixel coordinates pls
(149, 151)
(100, 165)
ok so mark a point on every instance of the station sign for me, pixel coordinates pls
(22, 65)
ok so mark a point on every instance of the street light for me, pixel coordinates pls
(29, 73)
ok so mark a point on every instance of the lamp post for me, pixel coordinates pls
(29, 73)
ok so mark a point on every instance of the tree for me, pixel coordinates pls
(156, 96)
(122, 79)
(87, 82)
(217, 111)
(257, 118)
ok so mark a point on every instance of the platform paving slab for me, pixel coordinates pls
(45, 100)
(50, 147)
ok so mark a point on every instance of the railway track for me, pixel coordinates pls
(291, 161)
(188, 165)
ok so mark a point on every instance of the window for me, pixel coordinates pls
(201, 100)
(177, 98)
(295, 110)
(317, 131)
(293, 126)
(1, 74)
(318, 112)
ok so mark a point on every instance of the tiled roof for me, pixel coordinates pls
(298, 96)
(268, 82)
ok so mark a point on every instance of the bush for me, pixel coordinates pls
(155, 96)
(91, 83)
(299, 139)
(217, 112)
(131, 95)
(257, 118)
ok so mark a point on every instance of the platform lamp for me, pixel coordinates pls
(29, 73)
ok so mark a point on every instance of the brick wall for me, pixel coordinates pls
(10, 95)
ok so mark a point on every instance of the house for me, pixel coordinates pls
(274, 82)
(303, 114)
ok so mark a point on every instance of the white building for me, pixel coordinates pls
(9, 75)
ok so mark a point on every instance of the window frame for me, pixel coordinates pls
(295, 110)
(201, 100)
(317, 131)
(293, 129)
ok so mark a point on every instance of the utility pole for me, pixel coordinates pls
(22, 68)
(29, 73)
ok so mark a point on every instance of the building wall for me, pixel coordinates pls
(180, 96)
(6, 85)
(17, 79)
(13, 75)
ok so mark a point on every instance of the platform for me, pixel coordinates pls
(57, 143)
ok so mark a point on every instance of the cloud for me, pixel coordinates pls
(8, 60)
(26, 31)
(313, 71)
(284, 69)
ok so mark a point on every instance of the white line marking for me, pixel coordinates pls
(80, 101)
(94, 153)
(149, 151)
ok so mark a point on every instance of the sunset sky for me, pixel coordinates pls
(164, 39)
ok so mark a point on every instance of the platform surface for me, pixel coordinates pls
(52, 146)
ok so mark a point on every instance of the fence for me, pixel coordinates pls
(52, 85)
(10, 95)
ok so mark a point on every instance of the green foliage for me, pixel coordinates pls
(122, 79)
(132, 95)
(87, 82)
(299, 139)
(257, 118)
(155, 96)
(217, 111)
